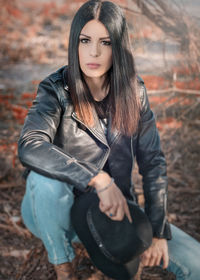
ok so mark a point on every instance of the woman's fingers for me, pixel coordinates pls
(122, 210)
(117, 214)
(165, 259)
(114, 204)
(157, 251)
(146, 257)
(104, 207)
(127, 212)
(154, 259)
(158, 260)
(112, 212)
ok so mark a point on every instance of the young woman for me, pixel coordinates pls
(88, 123)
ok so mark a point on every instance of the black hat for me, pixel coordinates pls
(113, 246)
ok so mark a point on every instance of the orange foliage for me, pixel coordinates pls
(168, 123)
(64, 9)
(185, 70)
(6, 96)
(187, 101)
(157, 99)
(155, 82)
(19, 113)
(164, 99)
(10, 147)
(187, 77)
(28, 95)
(173, 100)
(5, 100)
(191, 84)
(28, 104)
(7, 148)
(48, 8)
(14, 11)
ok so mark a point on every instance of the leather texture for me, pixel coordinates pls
(55, 143)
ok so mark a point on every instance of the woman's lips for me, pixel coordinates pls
(93, 65)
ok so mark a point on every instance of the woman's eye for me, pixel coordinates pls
(84, 41)
(106, 43)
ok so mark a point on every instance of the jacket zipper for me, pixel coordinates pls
(70, 160)
(165, 210)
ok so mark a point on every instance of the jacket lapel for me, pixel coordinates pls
(96, 130)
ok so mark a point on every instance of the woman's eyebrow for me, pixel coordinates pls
(99, 38)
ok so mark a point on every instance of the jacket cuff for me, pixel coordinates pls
(162, 231)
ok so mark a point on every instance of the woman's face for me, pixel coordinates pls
(95, 50)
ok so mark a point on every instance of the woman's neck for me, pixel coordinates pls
(97, 87)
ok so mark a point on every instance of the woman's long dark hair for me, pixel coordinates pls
(124, 101)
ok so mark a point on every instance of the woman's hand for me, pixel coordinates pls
(112, 202)
(157, 251)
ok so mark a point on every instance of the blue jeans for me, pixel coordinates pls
(46, 213)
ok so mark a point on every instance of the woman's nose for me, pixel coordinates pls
(95, 50)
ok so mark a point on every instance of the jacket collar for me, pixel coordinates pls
(97, 129)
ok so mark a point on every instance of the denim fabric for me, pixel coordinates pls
(46, 213)
(184, 253)
(46, 210)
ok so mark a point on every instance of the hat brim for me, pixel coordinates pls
(114, 270)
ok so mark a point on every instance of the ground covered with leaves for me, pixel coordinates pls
(32, 44)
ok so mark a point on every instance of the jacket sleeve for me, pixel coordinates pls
(36, 149)
(152, 167)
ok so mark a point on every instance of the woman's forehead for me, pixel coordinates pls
(95, 28)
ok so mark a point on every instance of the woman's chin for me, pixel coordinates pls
(94, 74)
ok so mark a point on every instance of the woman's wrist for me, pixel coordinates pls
(105, 187)
(101, 180)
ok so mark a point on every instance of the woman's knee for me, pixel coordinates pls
(51, 200)
(27, 215)
(48, 188)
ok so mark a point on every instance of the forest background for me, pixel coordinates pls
(33, 43)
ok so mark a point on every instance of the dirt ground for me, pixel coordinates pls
(22, 256)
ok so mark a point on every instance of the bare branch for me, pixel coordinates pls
(176, 24)
(174, 89)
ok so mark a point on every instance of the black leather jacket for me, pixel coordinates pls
(55, 143)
